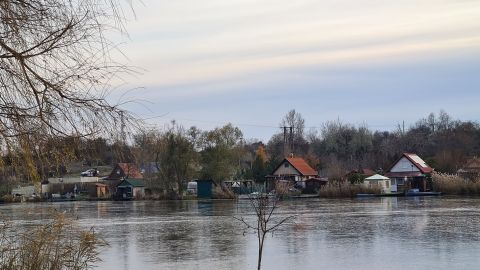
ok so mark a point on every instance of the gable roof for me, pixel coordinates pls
(421, 165)
(131, 170)
(300, 165)
(376, 177)
(125, 170)
(131, 182)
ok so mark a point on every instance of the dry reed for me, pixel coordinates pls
(56, 245)
(346, 190)
(455, 185)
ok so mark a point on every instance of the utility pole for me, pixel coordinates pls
(287, 140)
(291, 141)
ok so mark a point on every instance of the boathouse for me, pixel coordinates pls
(129, 189)
(410, 172)
(205, 188)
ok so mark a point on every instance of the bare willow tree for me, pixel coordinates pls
(266, 222)
(56, 69)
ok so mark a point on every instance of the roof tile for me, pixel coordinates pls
(302, 167)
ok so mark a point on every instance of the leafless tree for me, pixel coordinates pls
(56, 69)
(264, 207)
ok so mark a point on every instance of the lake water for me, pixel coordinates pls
(380, 233)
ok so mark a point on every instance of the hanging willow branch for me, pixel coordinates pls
(56, 70)
(55, 67)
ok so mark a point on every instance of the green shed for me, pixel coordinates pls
(205, 188)
(129, 189)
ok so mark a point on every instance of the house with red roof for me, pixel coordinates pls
(294, 170)
(410, 172)
(123, 171)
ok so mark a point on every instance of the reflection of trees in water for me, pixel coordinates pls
(124, 235)
(179, 233)
(183, 231)
(432, 222)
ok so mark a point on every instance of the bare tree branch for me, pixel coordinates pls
(56, 69)
(264, 206)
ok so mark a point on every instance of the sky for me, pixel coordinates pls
(248, 62)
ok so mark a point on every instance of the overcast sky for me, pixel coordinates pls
(248, 62)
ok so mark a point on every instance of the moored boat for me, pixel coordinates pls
(414, 192)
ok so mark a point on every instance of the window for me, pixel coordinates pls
(285, 164)
(400, 181)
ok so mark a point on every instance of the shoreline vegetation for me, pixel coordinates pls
(168, 158)
(455, 185)
(57, 244)
(447, 184)
(346, 190)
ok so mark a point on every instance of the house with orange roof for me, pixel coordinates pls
(125, 171)
(410, 172)
(294, 170)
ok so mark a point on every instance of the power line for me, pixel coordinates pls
(216, 122)
(250, 124)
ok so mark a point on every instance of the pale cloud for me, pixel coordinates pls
(235, 60)
(189, 41)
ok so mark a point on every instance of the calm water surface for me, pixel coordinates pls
(386, 233)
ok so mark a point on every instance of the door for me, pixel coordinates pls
(394, 185)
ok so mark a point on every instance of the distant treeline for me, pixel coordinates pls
(173, 155)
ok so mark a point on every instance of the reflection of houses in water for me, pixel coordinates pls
(410, 172)
(389, 203)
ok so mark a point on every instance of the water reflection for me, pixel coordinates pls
(377, 233)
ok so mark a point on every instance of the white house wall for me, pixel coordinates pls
(282, 170)
(404, 165)
(72, 180)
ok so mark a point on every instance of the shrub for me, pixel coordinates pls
(56, 245)
(10, 198)
(355, 178)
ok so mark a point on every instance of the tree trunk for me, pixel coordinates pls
(260, 250)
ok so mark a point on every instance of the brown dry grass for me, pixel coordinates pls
(455, 185)
(56, 245)
(346, 190)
